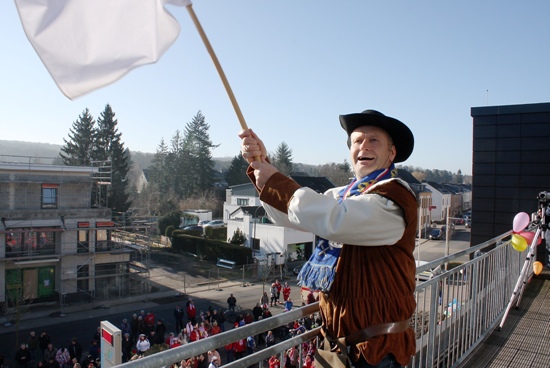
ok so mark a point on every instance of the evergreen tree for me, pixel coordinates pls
(196, 157)
(79, 149)
(160, 176)
(236, 173)
(282, 159)
(110, 147)
(176, 165)
(458, 178)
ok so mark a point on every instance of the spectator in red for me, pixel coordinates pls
(239, 348)
(150, 321)
(173, 341)
(248, 319)
(229, 352)
(191, 311)
(195, 334)
(308, 362)
(286, 291)
(215, 328)
(274, 362)
(279, 288)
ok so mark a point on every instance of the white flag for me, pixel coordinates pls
(88, 44)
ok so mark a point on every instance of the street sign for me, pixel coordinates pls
(111, 345)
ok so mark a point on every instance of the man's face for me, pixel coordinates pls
(371, 149)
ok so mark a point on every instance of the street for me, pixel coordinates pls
(83, 324)
(430, 250)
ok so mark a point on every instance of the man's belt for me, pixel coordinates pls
(372, 331)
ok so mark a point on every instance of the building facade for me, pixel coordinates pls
(55, 243)
(510, 165)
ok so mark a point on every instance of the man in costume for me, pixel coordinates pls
(363, 264)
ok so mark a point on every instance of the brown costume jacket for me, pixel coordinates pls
(373, 284)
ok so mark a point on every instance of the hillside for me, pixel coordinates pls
(47, 150)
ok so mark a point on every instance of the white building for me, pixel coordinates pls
(243, 211)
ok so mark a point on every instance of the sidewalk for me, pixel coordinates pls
(169, 288)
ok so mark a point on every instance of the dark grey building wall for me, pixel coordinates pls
(511, 165)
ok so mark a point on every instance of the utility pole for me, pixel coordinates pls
(447, 233)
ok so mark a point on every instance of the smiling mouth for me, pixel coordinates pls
(364, 158)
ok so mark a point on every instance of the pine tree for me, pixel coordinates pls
(196, 159)
(160, 176)
(79, 149)
(176, 165)
(282, 159)
(236, 173)
(110, 147)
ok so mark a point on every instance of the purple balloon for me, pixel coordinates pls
(521, 220)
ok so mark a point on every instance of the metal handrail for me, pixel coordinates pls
(189, 350)
(455, 311)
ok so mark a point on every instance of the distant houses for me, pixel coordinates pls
(243, 211)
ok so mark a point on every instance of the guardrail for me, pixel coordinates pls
(455, 311)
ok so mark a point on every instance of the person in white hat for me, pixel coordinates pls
(142, 344)
(213, 362)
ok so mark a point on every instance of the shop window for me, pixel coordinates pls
(49, 195)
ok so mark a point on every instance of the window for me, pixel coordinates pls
(242, 201)
(255, 244)
(102, 240)
(30, 242)
(49, 195)
(82, 277)
(83, 241)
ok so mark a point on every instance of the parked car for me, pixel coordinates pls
(193, 228)
(458, 221)
(215, 224)
(436, 234)
(203, 222)
(425, 232)
(427, 275)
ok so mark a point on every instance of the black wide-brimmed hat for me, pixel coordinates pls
(401, 135)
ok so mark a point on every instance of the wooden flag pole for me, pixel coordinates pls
(218, 66)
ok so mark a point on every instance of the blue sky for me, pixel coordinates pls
(294, 66)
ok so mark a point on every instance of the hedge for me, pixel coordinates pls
(210, 249)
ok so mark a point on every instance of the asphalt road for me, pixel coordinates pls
(430, 250)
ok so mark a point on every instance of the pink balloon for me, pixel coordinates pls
(521, 220)
(529, 236)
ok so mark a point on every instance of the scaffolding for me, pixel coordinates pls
(55, 216)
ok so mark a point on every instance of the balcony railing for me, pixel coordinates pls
(29, 250)
(455, 311)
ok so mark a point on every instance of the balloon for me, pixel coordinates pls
(529, 236)
(521, 220)
(519, 243)
(537, 267)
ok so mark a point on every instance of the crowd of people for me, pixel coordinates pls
(40, 351)
(144, 333)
